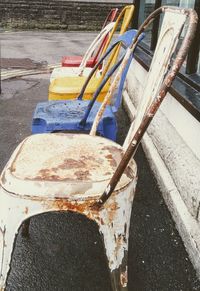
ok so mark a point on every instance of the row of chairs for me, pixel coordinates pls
(86, 173)
(73, 86)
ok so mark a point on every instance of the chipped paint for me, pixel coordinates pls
(116, 216)
(119, 276)
(157, 88)
(124, 278)
(49, 172)
(85, 165)
(36, 182)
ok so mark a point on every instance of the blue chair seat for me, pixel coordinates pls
(52, 116)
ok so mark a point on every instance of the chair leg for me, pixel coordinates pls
(114, 226)
(119, 277)
(13, 211)
(7, 233)
(25, 228)
(116, 247)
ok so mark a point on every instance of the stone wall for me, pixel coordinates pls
(55, 14)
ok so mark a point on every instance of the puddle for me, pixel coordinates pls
(22, 63)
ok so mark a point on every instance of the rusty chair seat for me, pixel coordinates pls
(75, 165)
(67, 172)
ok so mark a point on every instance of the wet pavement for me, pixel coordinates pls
(21, 63)
(65, 251)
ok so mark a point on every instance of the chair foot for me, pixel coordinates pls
(25, 228)
(119, 280)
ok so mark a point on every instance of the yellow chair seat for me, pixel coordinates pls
(69, 88)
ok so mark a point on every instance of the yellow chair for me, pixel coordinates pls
(66, 88)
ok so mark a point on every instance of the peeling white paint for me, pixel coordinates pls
(23, 194)
(115, 228)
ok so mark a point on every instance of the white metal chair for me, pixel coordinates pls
(62, 172)
(83, 69)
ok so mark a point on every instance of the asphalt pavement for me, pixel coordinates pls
(65, 251)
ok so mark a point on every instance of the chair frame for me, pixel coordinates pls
(126, 14)
(119, 204)
(79, 70)
(137, 135)
(110, 18)
(125, 41)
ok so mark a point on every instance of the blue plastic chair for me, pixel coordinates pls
(78, 115)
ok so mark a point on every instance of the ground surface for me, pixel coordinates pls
(65, 251)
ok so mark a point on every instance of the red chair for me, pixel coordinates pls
(75, 61)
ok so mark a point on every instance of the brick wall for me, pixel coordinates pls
(55, 14)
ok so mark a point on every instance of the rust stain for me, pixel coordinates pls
(108, 173)
(101, 221)
(113, 163)
(66, 205)
(109, 156)
(72, 163)
(124, 278)
(3, 179)
(115, 155)
(82, 175)
(26, 210)
(47, 174)
(50, 174)
(111, 208)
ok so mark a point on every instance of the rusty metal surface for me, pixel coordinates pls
(147, 115)
(80, 163)
(114, 218)
(113, 221)
(54, 257)
(67, 172)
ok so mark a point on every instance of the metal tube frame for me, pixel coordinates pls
(180, 57)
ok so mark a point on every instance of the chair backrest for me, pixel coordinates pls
(168, 38)
(98, 39)
(161, 74)
(124, 18)
(125, 40)
(110, 18)
(129, 35)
